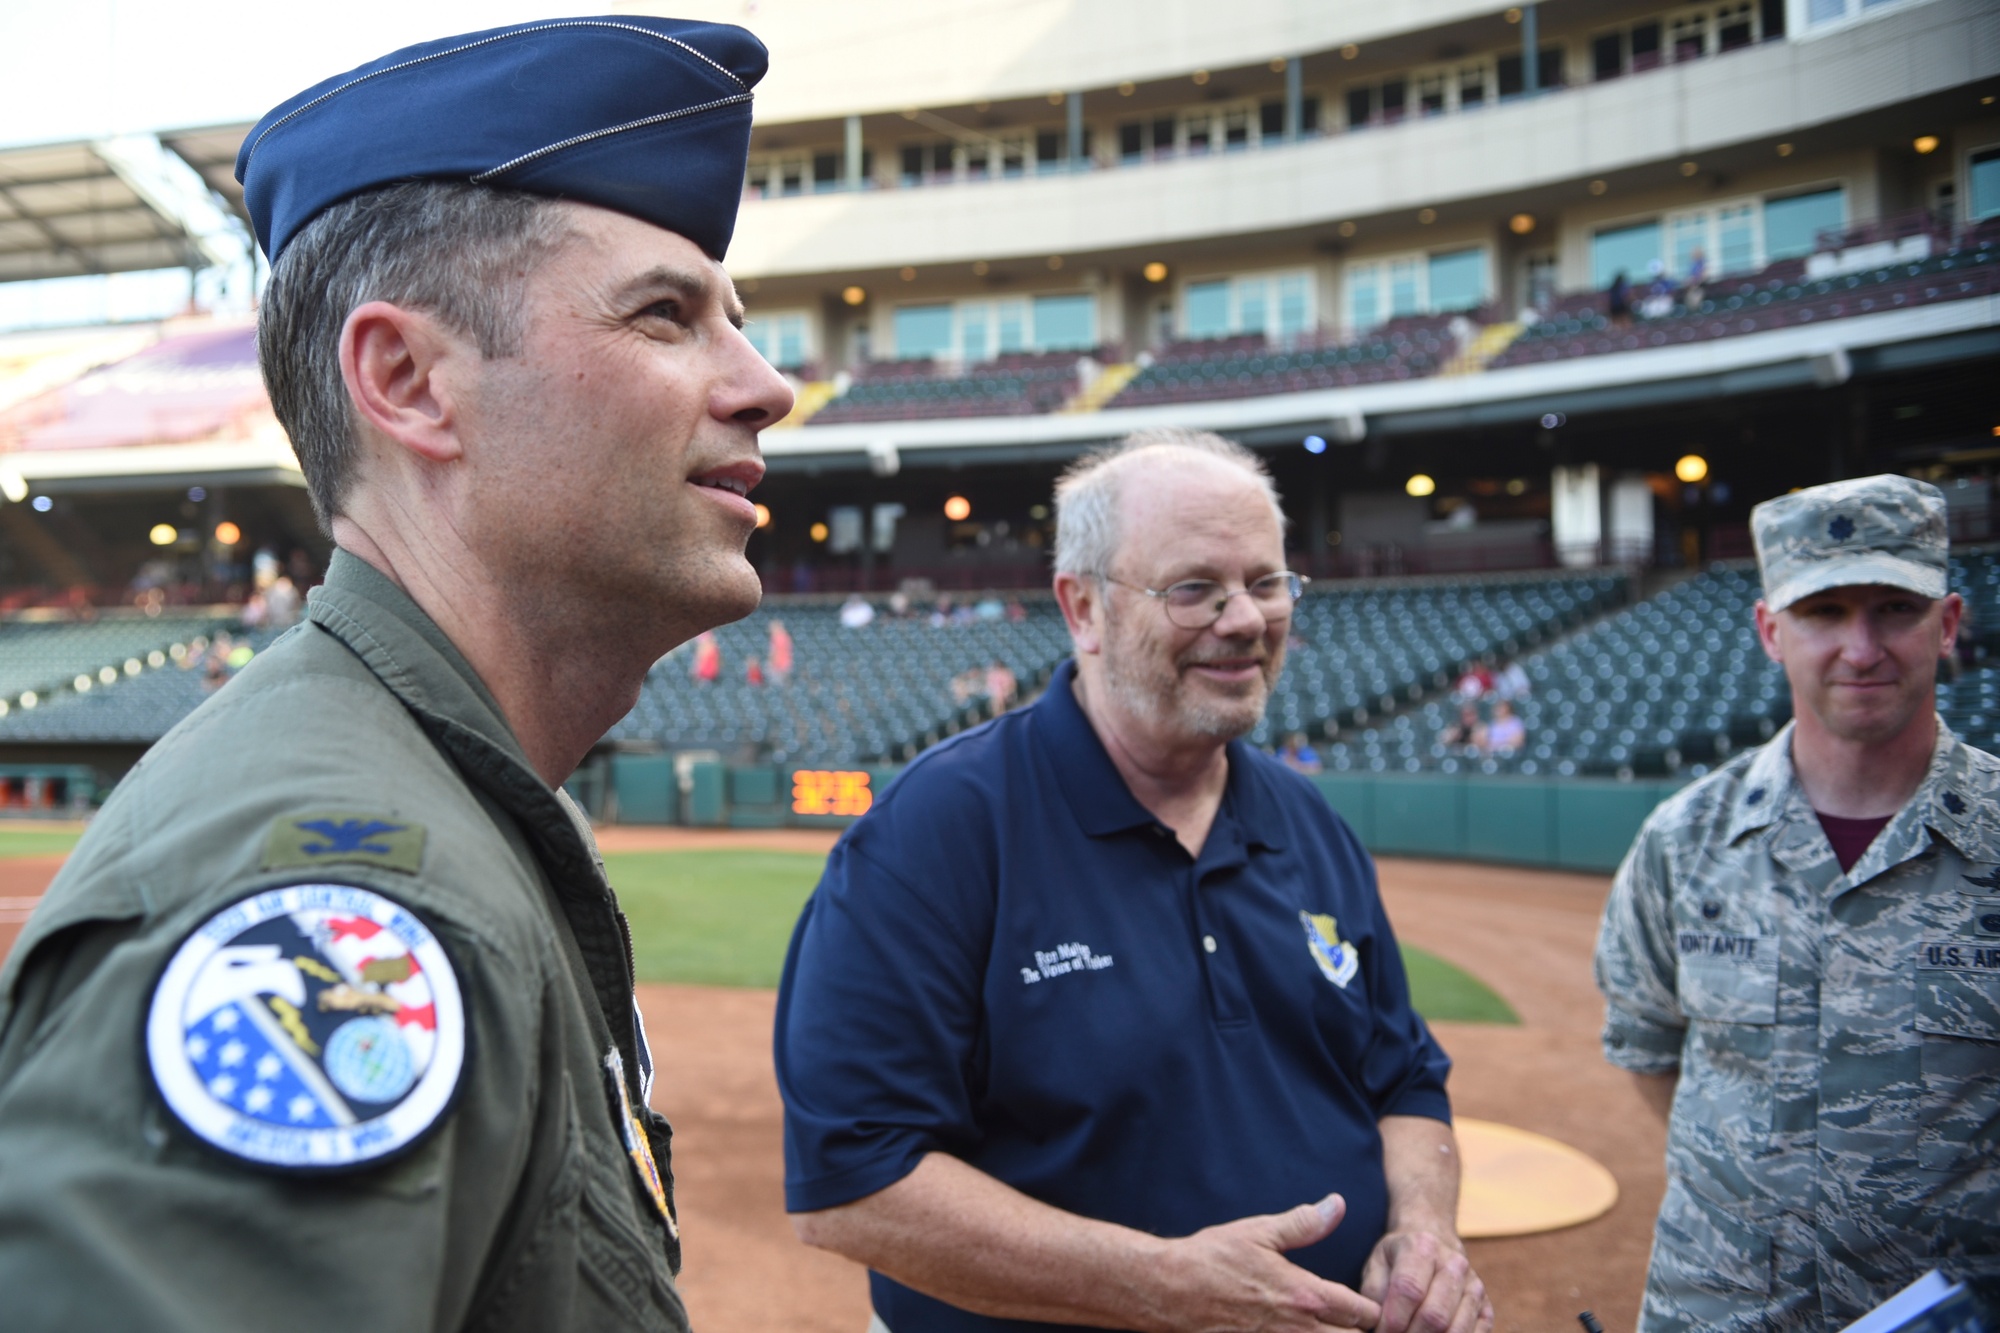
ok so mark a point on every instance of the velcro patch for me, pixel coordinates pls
(638, 1147)
(1959, 955)
(330, 837)
(310, 1028)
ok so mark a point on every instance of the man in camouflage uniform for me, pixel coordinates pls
(1807, 943)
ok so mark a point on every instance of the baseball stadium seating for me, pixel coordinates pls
(1017, 384)
(1185, 372)
(1668, 685)
(1779, 297)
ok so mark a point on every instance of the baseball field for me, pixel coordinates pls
(1499, 962)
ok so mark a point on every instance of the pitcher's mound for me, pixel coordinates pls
(1517, 1183)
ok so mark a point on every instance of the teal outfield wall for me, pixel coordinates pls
(1569, 823)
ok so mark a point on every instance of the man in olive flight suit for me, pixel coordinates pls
(328, 1023)
(1802, 952)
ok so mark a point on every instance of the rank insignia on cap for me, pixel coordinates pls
(314, 1027)
(638, 1147)
(1335, 957)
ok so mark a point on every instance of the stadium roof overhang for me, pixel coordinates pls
(1793, 358)
(122, 204)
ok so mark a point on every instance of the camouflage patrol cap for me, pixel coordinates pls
(1885, 530)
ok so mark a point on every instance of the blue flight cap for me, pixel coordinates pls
(646, 116)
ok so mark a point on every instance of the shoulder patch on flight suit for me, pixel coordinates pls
(316, 838)
(637, 1146)
(315, 1027)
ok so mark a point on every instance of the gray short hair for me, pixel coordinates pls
(461, 252)
(1087, 492)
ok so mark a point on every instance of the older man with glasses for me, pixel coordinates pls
(1096, 1019)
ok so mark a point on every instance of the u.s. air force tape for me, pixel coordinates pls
(313, 1027)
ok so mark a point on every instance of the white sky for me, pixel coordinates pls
(81, 69)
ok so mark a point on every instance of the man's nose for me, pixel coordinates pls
(1240, 618)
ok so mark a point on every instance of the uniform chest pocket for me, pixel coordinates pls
(1958, 1022)
(1730, 992)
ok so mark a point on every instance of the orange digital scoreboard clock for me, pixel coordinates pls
(821, 791)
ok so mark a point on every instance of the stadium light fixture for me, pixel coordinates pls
(1691, 468)
(43, 504)
(818, 532)
(1127, 88)
(854, 295)
(1513, 16)
(1278, 65)
(1155, 272)
(1784, 150)
(1347, 229)
(1055, 263)
(1200, 77)
(1315, 444)
(1598, 187)
(163, 534)
(1925, 144)
(1420, 486)
(1517, 486)
(763, 516)
(1055, 99)
(1689, 168)
(1426, 216)
(908, 274)
(958, 509)
(1349, 51)
(1521, 223)
(980, 268)
(227, 533)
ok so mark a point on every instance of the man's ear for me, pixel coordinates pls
(1767, 632)
(1078, 596)
(393, 361)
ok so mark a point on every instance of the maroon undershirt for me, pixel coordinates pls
(1851, 837)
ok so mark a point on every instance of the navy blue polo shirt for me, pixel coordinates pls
(1011, 961)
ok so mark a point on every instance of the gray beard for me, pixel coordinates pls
(1157, 699)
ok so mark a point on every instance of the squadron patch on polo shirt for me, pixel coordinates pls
(1336, 958)
(313, 1027)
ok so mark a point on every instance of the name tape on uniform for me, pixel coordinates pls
(312, 1027)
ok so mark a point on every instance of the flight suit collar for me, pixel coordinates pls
(393, 636)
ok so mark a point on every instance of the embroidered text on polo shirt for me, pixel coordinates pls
(1063, 960)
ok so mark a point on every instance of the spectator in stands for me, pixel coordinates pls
(1506, 734)
(899, 605)
(1658, 301)
(1697, 279)
(856, 613)
(990, 607)
(1477, 682)
(779, 653)
(967, 685)
(1298, 754)
(1618, 301)
(941, 612)
(1016, 613)
(753, 671)
(1512, 683)
(707, 668)
(1001, 687)
(1797, 963)
(1468, 733)
(1066, 1108)
(282, 603)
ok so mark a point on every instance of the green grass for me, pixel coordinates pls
(1443, 993)
(723, 918)
(714, 918)
(35, 842)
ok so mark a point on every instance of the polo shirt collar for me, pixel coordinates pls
(1096, 792)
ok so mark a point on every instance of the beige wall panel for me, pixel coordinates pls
(833, 57)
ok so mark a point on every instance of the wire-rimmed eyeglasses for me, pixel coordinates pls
(1199, 603)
